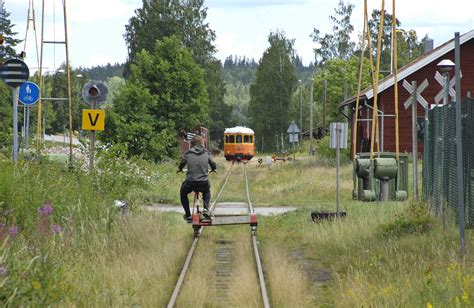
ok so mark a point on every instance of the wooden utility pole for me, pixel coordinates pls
(301, 113)
(346, 108)
(324, 107)
(311, 149)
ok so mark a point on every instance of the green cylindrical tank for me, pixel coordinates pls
(385, 168)
(363, 167)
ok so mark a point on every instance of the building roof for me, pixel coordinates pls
(410, 68)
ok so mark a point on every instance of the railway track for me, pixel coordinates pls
(224, 255)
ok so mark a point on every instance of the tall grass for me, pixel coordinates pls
(60, 231)
(390, 254)
(64, 243)
(137, 266)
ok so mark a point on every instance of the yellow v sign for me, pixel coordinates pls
(93, 119)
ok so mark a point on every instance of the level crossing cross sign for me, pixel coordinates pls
(440, 79)
(419, 89)
(29, 93)
(93, 119)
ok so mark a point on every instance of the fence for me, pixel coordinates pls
(440, 185)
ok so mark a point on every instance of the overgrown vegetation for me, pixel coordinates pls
(416, 219)
(65, 243)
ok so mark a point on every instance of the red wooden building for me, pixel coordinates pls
(185, 138)
(423, 68)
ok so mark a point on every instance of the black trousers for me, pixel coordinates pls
(188, 187)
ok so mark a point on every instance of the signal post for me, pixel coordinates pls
(94, 93)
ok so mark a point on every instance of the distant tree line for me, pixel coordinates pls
(104, 72)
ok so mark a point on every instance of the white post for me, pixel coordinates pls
(414, 140)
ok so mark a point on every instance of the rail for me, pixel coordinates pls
(258, 261)
(189, 257)
(190, 254)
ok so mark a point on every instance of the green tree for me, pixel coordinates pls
(238, 96)
(57, 112)
(337, 73)
(338, 44)
(114, 85)
(158, 19)
(219, 111)
(409, 47)
(271, 92)
(6, 30)
(6, 115)
(165, 92)
(6, 51)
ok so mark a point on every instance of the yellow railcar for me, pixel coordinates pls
(239, 143)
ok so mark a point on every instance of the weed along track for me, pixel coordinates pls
(225, 268)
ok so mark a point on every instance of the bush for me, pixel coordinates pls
(323, 151)
(417, 219)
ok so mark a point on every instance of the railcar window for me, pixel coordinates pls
(251, 139)
(231, 139)
(238, 139)
(226, 138)
(246, 139)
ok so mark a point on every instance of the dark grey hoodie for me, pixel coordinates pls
(197, 159)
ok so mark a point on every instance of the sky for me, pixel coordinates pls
(96, 27)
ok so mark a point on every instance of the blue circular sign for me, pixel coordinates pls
(29, 93)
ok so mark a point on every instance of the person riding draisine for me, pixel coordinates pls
(197, 178)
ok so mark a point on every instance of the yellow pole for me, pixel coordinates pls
(40, 103)
(372, 70)
(69, 93)
(395, 81)
(375, 111)
(354, 139)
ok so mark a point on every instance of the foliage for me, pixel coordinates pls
(7, 49)
(114, 84)
(104, 72)
(184, 20)
(338, 44)
(239, 69)
(159, 19)
(238, 96)
(50, 218)
(408, 47)
(58, 112)
(164, 94)
(6, 114)
(325, 152)
(219, 111)
(416, 219)
(270, 94)
(338, 74)
(238, 73)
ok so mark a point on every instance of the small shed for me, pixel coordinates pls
(422, 68)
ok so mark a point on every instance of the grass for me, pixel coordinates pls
(390, 254)
(137, 266)
(205, 288)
